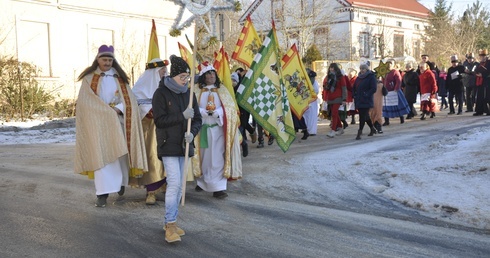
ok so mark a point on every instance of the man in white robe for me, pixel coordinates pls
(109, 140)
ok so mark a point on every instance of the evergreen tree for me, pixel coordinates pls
(472, 29)
(437, 33)
(312, 54)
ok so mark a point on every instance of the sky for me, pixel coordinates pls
(463, 185)
(459, 6)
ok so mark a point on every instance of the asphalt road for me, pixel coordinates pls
(47, 211)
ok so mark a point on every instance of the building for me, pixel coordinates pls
(61, 37)
(347, 30)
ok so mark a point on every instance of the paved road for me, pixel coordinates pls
(46, 211)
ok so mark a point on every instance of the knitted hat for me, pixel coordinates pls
(205, 67)
(178, 66)
(105, 51)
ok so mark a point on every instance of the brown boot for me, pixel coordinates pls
(171, 234)
(179, 231)
(151, 199)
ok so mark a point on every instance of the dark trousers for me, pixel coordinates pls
(480, 100)
(459, 100)
(470, 98)
(364, 118)
(413, 111)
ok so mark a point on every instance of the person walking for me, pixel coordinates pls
(336, 94)
(395, 103)
(109, 144)
(454, 85)
(469, 80)
(364, 89)
(411, 85)
(428, 89)
(171, 114)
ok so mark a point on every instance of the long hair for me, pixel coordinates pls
(336, 69)
(94, 66)
(202, 83)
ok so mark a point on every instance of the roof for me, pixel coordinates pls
(408, 7)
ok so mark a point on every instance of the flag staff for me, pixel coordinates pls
(189, 120)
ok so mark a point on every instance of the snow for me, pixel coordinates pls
(457, 191)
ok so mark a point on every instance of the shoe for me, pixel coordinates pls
(245, 149)
(467, 111)
(331, 134)
(423, 117)
(178, 230)
(198, 189)
(171, 234)
(373, 131)
(478, 114)
(409, 117)
(432, 115)
(121, 191)
(402, 120)
(312, 134)
(260, 145)
(386, 123)
(359, 133)
(271, 140)
(451, 113)
(220, 194)
(151, 199)
(340, 131)
(253, 137)
(101, 200)
(345, 124)
(305, 135)
(459, 113)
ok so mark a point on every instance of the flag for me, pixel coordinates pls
(185, 54)
(222, 67)
(247, 45)
(298, 85)
(199, 58)
(153, 50)
(262, 93)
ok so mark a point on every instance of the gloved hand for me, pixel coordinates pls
(188, 113)
(215, 114)
(188, 137)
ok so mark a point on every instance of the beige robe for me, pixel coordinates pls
(233, 158)
(96, 146)
(376, 113)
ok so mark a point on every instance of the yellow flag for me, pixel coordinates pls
(185, 54)
(222, 66)
(298, 85)
(153, 50)
(248, 44)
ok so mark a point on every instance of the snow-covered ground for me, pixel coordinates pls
(458, 191)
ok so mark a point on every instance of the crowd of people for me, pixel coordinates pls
(143, 136)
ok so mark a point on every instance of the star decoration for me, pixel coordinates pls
(382, 70)
(198, 8)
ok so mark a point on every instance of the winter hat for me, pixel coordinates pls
(470, 55)
(311, 73)
(156, 62)
(205, 67)
(178, 66)
(105, 51)
(454, 58)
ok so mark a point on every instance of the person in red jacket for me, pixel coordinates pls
(428, 89)
(336, 88)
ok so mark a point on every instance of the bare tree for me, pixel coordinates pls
(131, 55)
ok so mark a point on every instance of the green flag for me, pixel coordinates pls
(263, 93)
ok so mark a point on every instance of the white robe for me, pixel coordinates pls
(213, 157)
(311, 114)
(110, 178)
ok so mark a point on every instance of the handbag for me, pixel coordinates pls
(384, 90)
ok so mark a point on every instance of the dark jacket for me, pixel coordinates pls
(170, 122)
(455, 84)
(364, 88)
(411, 85)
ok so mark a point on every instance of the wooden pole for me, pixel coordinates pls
(193, 73)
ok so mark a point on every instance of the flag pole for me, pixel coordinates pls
(189, 120)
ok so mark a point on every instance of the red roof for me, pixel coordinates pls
(409, 7)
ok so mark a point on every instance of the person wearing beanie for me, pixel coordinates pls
(454, 85)
(144, 88)
(171, 114)
(218, 156)
(109, 140)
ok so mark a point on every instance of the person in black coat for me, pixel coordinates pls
(171, 113)
(454, 85)
(411, 86)
(364, 88)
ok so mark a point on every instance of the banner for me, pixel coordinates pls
(222, 66)
(263, 94)
(185, 54)
(153, 50)
(298, 85)
(248, 44)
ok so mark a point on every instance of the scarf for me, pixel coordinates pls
(173, 86)
(332, 81)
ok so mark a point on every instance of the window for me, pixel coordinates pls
(379, 21)
(365, 19)
(33, 45)
(100, 37)
(364, 44)
(416, 48)
(398, 23)
(417, 26)
(398, 45)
